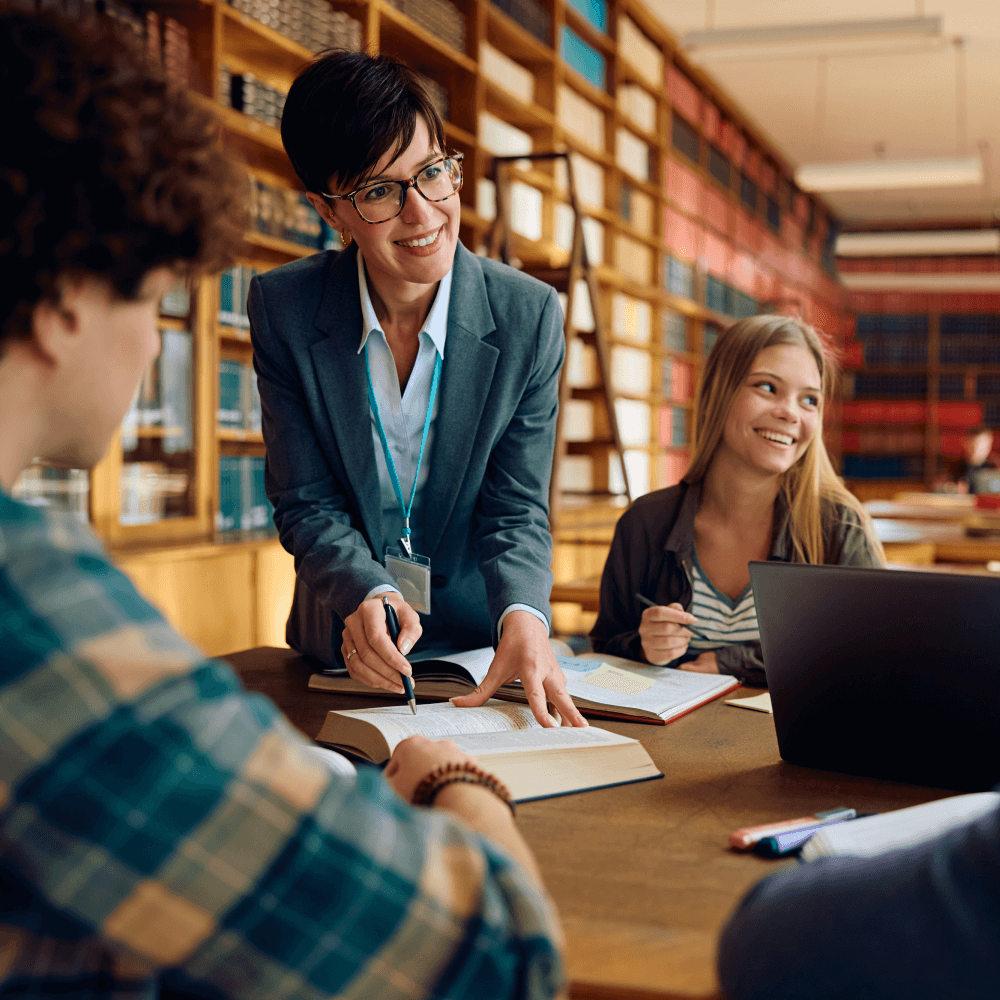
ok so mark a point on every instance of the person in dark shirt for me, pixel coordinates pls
(922, 923)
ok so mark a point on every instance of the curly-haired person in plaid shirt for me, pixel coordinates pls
(162, 832)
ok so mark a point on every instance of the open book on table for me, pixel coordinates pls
(606, 686)
(534, 762)
(891, 831)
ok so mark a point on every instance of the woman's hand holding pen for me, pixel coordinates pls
(367, 650)
(663, 634)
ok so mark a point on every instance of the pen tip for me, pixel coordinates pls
(413, 707)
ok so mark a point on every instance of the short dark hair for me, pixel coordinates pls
(346, 110)
(107, 169)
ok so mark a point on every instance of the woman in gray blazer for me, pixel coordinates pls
(409, 392)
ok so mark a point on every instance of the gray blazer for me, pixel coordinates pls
(485, 503)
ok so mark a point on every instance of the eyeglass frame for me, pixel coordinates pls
(410, 182)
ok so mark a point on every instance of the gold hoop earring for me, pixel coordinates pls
(345, 238)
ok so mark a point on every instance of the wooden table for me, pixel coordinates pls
(641, 873)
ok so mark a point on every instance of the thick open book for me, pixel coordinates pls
(534, 762)
(874, 835)
(608, 686)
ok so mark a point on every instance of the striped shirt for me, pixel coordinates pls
(721, 619)
(163, 830)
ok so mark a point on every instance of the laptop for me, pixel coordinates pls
(883, 673)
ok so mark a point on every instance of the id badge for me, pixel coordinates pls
(412, 575)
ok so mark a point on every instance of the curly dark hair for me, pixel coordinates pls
(346, 110)
(106, 170)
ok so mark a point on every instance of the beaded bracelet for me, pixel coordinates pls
(465, 772)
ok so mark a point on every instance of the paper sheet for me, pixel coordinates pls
(761, 703)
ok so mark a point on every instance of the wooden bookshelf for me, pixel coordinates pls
(787, 257)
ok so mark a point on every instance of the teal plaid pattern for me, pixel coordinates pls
(164, 832)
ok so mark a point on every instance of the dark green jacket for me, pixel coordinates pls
(651, 555)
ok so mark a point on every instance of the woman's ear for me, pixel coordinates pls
(328, 213)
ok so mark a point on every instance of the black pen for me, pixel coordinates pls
(652, 604)
(392, 624)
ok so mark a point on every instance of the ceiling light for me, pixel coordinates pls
(947, 242)
(815, 39)
(883, 175)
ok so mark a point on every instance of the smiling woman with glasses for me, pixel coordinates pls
(409, 394)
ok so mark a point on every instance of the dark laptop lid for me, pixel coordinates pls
(884, 673)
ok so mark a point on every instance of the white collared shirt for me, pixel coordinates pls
(403, 414)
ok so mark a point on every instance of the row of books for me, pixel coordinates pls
(530, 14)
(883, 441)
(239, 397)
(674, 331)
(313, 24)
(584, 58)
(890, 325)
(287, 214)
(166, 40)
(895, 350)
(862, 385)
(729, 301)
(66, 490)
(674, 427)
(243, 502)
(440, 17)
(163, 399)
(883, 467)
(152, 491)
(950, 413)
(970, 349)
(234, 286)
(244, 92)
(676, 277)
(678, 379)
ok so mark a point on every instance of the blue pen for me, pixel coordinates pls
(652, 604)
(392, 624)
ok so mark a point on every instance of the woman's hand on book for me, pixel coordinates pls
(663, 634)
(368, 652)
(524, 652)
(414, 758)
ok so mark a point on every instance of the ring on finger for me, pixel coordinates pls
(349, 655)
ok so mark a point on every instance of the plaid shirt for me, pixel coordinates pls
(162, 830)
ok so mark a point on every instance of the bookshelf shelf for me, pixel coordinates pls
(401, 34)
(234, 333)
(261, 46)
(578, 82)
(503, 104)
(507, 35)
(239, 436)
(287, 247)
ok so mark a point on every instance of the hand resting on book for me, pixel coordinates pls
(415, 758)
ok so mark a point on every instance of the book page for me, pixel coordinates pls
(476, 661)
(873, 835)
(527, 740)
(442, 720)
(660, 690)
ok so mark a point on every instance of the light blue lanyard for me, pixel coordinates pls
(390, 464)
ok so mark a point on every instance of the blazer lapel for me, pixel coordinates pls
(340, 373)
(466, 378)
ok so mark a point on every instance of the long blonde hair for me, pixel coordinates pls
(811, 483)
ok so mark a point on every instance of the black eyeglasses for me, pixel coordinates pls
(384, 200)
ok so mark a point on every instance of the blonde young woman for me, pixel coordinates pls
(760, 486)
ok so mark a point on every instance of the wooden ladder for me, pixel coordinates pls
(563, 279)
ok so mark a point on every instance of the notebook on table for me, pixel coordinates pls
(884, 673)
(603, 686)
